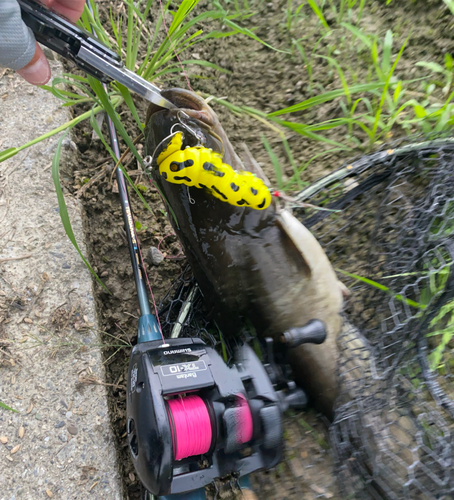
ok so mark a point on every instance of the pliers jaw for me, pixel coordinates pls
(89, 54)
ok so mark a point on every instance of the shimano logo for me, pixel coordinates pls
(177, 351)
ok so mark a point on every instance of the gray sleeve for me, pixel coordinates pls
(17, 43)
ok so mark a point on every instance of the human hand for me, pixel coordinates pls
(18, 48)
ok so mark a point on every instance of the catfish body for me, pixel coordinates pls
(262, 266)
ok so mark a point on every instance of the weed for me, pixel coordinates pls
(318, 12)
(347, 6)
(317, 435)
(309, 60)
(292, 18)
(6, 407)
(449, 4)
(447, 72)
(139, 226)
(384, 288)
(443, 329)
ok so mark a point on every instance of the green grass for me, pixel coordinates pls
(383, 288)
(442, 331)
(449, 4)
(6, 407)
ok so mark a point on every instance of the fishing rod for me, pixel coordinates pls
(191, 418)
(148, 329)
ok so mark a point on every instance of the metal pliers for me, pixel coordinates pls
(88, 53)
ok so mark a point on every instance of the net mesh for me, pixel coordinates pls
(392, 244)
(390, 236)
(182, 314)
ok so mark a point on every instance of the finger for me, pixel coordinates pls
(37, 71)
(71, 9)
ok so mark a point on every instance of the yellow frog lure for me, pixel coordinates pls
(202, 168)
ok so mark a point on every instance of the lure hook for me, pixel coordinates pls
(196, 133)
(181, 123)
(147, 162)
(152, 157)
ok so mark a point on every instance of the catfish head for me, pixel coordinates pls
(195, 119)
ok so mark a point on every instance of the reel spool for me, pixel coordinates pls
(192, 419)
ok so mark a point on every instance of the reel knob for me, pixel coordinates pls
(313, 332)
(296, 399)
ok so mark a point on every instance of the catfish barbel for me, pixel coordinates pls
(258, 265)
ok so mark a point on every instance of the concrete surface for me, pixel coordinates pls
(59, 445)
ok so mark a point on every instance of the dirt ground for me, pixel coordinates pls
(268, 81)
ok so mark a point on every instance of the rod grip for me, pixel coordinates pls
(313, 332)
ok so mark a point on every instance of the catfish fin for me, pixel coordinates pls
(295, 235)
(252, 165)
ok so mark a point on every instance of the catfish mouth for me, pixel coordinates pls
(189, 103)
(199, 120)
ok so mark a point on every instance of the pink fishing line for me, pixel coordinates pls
(170, 256)
(245, 426)
(192, 426)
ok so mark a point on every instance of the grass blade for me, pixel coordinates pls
(387, 48)
(341, 76)
(206, 64)
(359, 35)
(129, 38)
(109, 109)
(435, 67)
(450, 5)
(6, 407)
(64, 211)
(318, 13)
(91, 21)
(184, 9)
(361, 7)
(327, 96)
(397, 92)
(295, 176)
(385, 90)
(8, 153)
(99, 133)
(384, 288)
(307, 131)
(304, 165)
(250, 34)
(130, 103)
(274, 161)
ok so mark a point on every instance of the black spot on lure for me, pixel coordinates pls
(203, 168)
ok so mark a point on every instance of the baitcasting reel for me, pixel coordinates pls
(192, 418)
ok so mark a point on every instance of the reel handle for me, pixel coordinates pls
(295, 399)
(313, 332)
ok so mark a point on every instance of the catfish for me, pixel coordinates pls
(260, 267)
